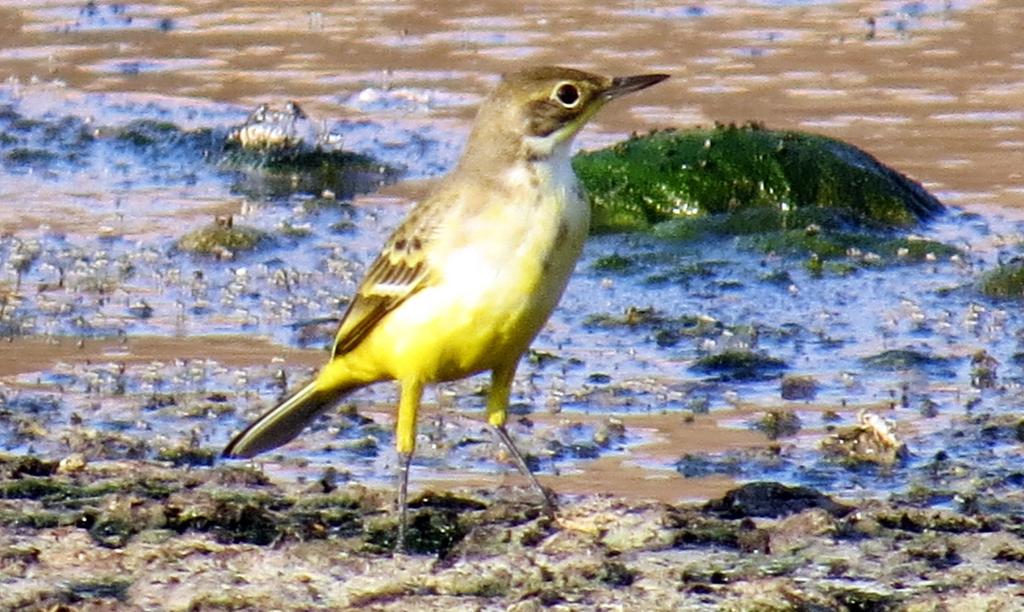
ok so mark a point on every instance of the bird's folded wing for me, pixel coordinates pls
(399, 271)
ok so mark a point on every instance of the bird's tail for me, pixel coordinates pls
(282, 423)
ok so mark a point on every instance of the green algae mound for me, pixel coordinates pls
(1005, 281)
(223, 240)
(735, 365)
(750, 179)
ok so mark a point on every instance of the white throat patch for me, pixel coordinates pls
(539, 147)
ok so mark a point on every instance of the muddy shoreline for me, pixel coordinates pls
(143, 535)
(674, 375)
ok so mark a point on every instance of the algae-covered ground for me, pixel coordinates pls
(143, 536)
(856, 385)
(780, 192)
(791, 179)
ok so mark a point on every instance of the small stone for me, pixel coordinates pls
(779, 424)
(872, 440)
(799, 387)
(72, 464)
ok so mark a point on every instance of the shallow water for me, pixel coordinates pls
(104, 314)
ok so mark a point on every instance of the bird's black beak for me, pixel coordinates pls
(624, 85)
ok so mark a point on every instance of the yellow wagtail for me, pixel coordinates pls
(472, 274)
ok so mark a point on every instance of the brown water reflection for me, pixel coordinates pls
(933, 88)
(933, 93)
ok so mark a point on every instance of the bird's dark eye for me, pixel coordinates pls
(567, 95)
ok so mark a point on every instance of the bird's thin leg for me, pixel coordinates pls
(549, 503)
(404, 461)
(405, 444)
(497, 414)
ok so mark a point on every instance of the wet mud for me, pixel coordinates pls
(730, 421)
(142, 535)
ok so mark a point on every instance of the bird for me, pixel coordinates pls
(472, 274)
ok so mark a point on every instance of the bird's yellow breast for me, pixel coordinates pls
(499, 274)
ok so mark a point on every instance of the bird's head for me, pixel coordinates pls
(536, 112)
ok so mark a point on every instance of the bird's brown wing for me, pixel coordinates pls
(399, 271)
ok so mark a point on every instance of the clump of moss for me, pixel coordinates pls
(93, 589)
(923, 520)
(688, 272)
(23, 124)
(323, 516)
(19, 466)
(1009, 554)
(702, 466)
(864, 247)
(616, 574)
(100, 444)
(223, 239)
(46, 489)
(894, 360)
(789, 178)
(666, 330)
(342, 227)
(984, 370)
(852, 598)
(541, 358)
(799, 387)
(28, 156)
(114, 529)
(613, 263)
(288, 230)
(436, 524)
(146, 132)
(740, 365)
(772, 499)
(278, 172)
(779, 424)
(187, 455)
(633, 316)
(231, 517)
(872, 440)
(294, 159)
(1005, 281)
